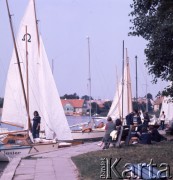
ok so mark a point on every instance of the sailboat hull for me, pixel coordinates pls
(88, 136)
(38, 148)
(9, 152)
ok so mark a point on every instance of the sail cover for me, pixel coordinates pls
(43, 95)
(116, 107)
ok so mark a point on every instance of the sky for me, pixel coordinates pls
(65, 26)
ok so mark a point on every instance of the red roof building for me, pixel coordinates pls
(74, 106)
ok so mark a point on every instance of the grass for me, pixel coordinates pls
(89, 164)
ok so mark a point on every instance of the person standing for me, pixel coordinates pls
(162, 120)
(36, 125)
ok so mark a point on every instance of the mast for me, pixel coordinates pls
(128, 85)
(89, 77)
(123, 81)
(27, 75)
(18, 63)
(136, 58)
(36, 23)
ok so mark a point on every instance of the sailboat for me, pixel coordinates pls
(88, 131)
(30, 87)
(122, 102)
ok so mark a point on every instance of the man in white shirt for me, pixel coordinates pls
(162, 120)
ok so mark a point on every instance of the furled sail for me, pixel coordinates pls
(42, 92)
(116, 107)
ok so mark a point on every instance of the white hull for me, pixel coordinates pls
(38, 148)
(8, 153)
(93, 135)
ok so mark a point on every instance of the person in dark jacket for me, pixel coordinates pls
(129, 119)
(36, 125)
(146, 119)
(145, 137)
(136, 118)
(155, 135)
(118, 122)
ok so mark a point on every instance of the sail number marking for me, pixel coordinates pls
(28, 37)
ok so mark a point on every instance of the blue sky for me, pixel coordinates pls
(64, 26)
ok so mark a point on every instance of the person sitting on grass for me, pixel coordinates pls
(145, 137)
(155, 135)
(146, 119)
(169, 129)
(110, 126)
(118, 122)
(134, 135)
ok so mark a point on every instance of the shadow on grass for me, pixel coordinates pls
(89, 164)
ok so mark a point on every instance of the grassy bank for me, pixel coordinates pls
(89, 164)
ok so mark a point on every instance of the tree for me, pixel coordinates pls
(153, 20)
(70, 96)
(149, 96)
(105, 109)
(95, 109)
(86, 97)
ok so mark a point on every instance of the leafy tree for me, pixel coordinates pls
(107, 105)
(70, 96)
(95, 108)
(149, 96)
(153, 20)
(86, 97)
(142, 106)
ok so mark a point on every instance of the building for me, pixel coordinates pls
(157, 103)
(74, 106)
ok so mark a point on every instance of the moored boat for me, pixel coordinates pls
(30, 86)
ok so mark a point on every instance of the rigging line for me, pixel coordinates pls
(144, 78)
(101, 74)
(143, 73)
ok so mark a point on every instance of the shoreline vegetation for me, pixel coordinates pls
(89, 164)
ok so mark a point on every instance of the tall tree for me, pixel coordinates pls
(153, 20)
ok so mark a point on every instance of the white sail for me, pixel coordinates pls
(167, 107)
(116, 107)
(55, 118)
(43, 94)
